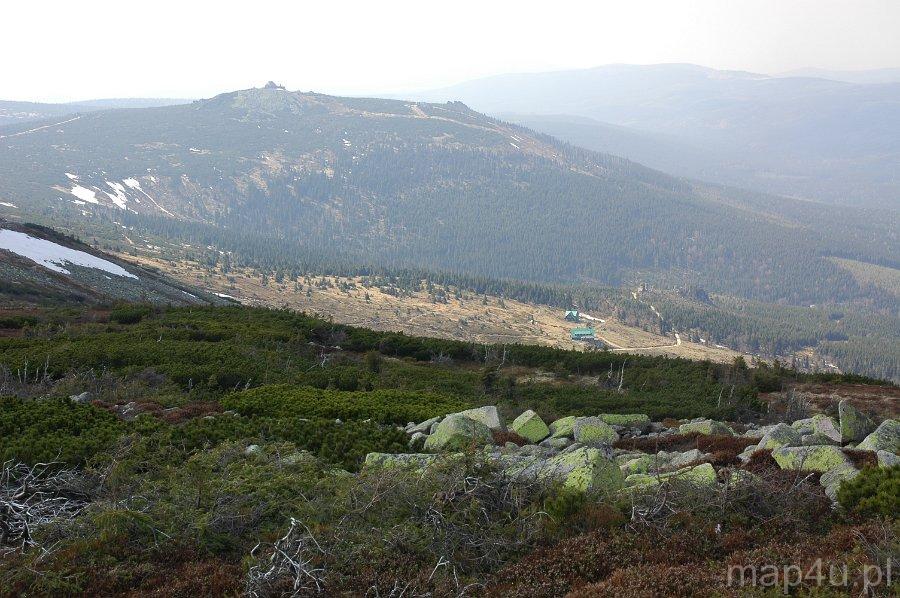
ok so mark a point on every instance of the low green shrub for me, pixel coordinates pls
(874, 492)
(383, 406)
(129, 314)
(343, 444)
(33, 431)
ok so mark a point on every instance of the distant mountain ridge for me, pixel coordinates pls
(12, 112)
(808, 137)
(286, 178)
(865, 77)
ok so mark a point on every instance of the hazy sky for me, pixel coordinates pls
(56, 51)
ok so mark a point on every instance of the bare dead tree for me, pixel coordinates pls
(291, 557)
(622, 375)
(32, 496)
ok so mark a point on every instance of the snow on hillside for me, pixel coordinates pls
(54, 256)
(84, 194)
(118, 196)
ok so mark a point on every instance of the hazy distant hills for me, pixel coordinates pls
(287, 179)
(809, 137)
(22, 112)
(890, 75)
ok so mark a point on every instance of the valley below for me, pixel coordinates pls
(464, 316)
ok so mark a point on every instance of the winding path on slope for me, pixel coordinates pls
(41, 128)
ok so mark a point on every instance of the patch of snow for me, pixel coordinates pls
(119, 198)
(53, 256)
(72, 177)
(135, 184)
(592, 318)
(77, 202)
(84, 194)
(514, 145)
(224, 296)
(7, 205)
(189, 294)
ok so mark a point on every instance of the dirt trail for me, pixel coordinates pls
(34, 130)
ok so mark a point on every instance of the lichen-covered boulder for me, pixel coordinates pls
(747, 453)
(640, 421)
(593, 430)
(831, 480)
(423, 427)
(758, 432)
(825, 425)
(415, 461)
(522, 467)
(820, 425)
(804, 426)
(556, 442)
(536, 450)
(417, 440)
(701, 475)
(562, 427)
(530, 426)
(709, 427)
(677, 460)
(818, 438)
(810, 458)
(779, 436)
(887, 459)
(855, 425)
(488, 415)
(886, 437)
(456, 432)
(642, 464)
(586, 469)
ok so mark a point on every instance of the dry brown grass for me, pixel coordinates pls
(467, 319)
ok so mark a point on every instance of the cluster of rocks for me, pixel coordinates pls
(575, 451)
(815, 444)
(578, 451)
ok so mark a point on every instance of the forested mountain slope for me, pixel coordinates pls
(282, 176)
